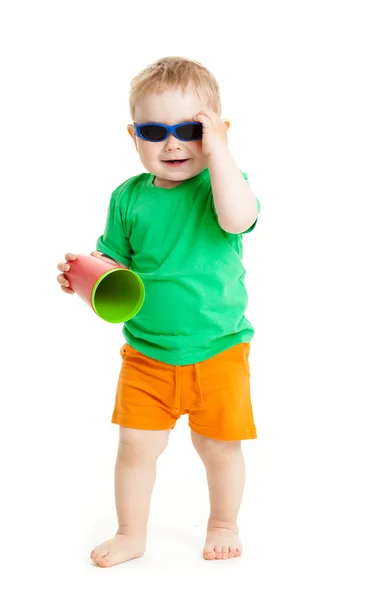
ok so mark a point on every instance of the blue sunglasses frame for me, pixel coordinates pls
(169, 129)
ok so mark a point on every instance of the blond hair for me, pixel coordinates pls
(171, 72)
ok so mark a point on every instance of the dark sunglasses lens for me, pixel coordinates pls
(154, 133)
(190, 132)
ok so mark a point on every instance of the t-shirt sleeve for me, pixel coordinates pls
(258, 210)
(114, 242)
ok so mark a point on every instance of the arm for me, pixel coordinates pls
(235, 203)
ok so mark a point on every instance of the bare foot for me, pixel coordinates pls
(222, 543)
(117, 550)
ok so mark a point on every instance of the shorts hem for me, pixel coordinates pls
(116, 420)
(248, 434)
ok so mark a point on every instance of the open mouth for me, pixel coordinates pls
(175, 163)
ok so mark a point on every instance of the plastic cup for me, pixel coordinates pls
(115, 294)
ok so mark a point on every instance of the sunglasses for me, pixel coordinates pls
(157, 132)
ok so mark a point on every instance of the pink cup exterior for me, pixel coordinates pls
(84, 272)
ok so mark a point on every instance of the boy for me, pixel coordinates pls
(179, 227)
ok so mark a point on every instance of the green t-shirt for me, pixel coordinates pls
(191, 269)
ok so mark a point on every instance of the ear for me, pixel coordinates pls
(227, 123)
(130, 129)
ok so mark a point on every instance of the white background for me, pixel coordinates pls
(293, 78)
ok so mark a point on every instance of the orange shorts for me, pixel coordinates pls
(215, 393)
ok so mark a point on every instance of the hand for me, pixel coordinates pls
(214, 135)
(101, 256)
(63, 266)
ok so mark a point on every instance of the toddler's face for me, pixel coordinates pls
(169, 108)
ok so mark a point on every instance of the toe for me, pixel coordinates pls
(218, 552)
(225, 552)
(209, 552)
(235, 551)
(209, 555)
(94, 555)
(104, 561)
(98, 553)
(231, 555)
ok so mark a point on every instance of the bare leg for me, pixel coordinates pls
(135, 474)
(224, 463)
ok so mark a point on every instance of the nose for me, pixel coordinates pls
(172, 143)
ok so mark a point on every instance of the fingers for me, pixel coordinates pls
(102, 257)
(65, 267)
(65, 285)
(205, 116)
(62, 266)
(62, 280)
(67, 291)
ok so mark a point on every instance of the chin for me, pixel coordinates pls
(178, 176)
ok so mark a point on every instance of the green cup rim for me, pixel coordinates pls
(132, 312)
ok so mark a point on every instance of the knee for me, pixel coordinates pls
(218, 450)
(136, 445)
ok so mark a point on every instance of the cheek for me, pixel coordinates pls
(196, 148)
(200, 158)
(148, 152)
